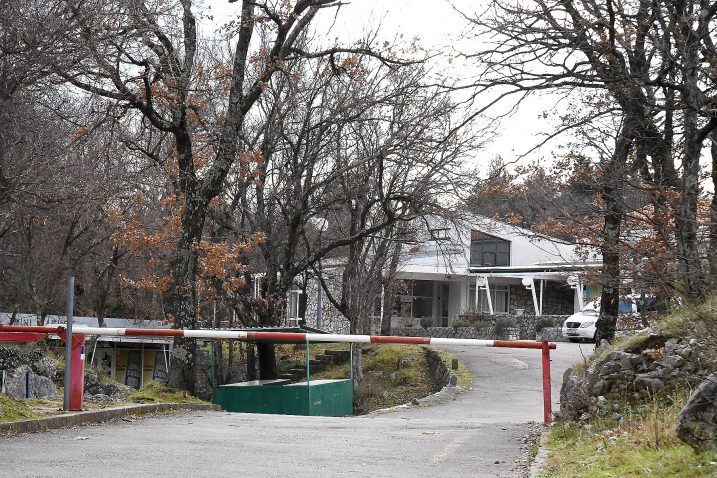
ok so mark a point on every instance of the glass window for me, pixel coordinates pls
(489, 251)
(422, 288)
(422, 298)
(499, 294)
(422, 307)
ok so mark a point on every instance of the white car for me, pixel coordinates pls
(581, 326)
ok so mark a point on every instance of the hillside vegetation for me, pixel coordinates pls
(631, 431)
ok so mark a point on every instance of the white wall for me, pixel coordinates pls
(456, 305)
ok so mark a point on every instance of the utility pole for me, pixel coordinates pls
(68, 340)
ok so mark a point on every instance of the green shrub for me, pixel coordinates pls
(12, 357)
(460, 322)
(543, 323)
(426, 322)
(502, 324)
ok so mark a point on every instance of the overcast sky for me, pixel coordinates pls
(438, 27)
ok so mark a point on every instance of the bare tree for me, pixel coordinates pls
(644, 56)
(347, 149)
(146, 64)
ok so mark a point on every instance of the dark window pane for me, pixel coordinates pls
(423, 288)
(502, 259)
(422, 307)
(489, 251)
(488, 258)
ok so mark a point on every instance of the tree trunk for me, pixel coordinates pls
(250, 362)
(387, 307)
(612, 196)
(610, 296)
(183, 298)
(220, 369)
(230, 354)
(101, 306)
(686, 217)
(267, 361)
(182, 374)
(357, 365)
(390, 287)
(266, 351)
(357, 327)
(183, 292)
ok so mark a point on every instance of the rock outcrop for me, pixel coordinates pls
(639, 371)
(96, 390)
(698, 419)
(32, 381)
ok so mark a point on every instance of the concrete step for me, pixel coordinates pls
(298, 372)
(339, 356)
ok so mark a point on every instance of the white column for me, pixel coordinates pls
(529, 284)
(542, 284)
(482, 284)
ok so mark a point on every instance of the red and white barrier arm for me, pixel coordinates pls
(277, 336)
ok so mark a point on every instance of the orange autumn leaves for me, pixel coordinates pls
(218, 260)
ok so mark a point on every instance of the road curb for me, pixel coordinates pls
(95, 416)
(537, 464)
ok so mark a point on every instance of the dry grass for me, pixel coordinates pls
(154, 392)
(628, 439)
(12, 410)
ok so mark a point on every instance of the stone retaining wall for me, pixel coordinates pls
(438, 370)
(557, 298)
(638, 371)
(551, 334)
(524, 329)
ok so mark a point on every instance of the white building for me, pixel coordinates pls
(487, 266)
(484, 266)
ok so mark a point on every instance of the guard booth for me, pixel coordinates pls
(328, 398)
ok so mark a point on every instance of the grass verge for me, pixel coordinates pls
(623, 439)
(385, 385)
(12, 410)
(154, 392)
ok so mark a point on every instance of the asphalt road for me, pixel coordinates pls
(477, 433)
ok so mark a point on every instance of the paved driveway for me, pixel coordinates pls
(478, 433)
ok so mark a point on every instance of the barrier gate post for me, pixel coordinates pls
(547, 398)
(77, 369)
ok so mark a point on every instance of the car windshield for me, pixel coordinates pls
(589, 312)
